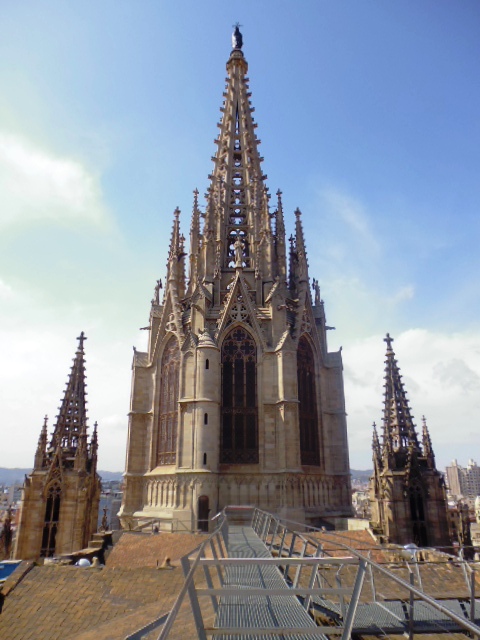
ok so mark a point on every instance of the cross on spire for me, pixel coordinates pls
(81, 339)
(389, 341)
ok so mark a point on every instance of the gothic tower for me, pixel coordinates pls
(407, 493)
(60, 499)
(238, 400)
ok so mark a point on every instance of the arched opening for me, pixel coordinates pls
(417, 512)
(203, 511)
(168, 403)
(205, 418)
(307, 408)
(51, 521)
(239, 432)
(207, 364)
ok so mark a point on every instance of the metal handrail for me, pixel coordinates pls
(261, 522)
(465, 624)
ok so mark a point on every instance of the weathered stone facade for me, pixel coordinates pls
(407, 493)
(59, 508)
(238, 400)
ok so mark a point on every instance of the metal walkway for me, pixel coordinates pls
(253, 613)
(255, 578)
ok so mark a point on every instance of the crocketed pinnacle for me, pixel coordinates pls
(40, 454)
(427, 444)
(398, 428)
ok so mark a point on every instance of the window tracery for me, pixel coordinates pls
(168, 403)
(239, 433)
(307, 409)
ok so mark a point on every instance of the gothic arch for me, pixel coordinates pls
(239, 427)
(167, 418)
(307, 404)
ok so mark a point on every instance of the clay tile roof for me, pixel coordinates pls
(135, 550)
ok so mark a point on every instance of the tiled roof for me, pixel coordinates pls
(146, 550)
(55, 602)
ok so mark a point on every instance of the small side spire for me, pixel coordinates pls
(398, 428)
(300, 246)
(72, 418)
(176, 255)
(377, 453)
(427, 444)
(41, 453)
(280, 249)
(194, 244)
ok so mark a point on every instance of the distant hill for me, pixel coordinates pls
(361, 474)
(13, 476)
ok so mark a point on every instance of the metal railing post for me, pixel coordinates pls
(352, 608)
(277, 524)
(411, 606)
(311, 582)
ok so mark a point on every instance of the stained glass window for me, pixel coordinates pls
(239, 433)
(307, 397)
(168, 405)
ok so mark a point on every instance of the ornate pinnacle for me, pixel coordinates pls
(427, 444)
(40, 455)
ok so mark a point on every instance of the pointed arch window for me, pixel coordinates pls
(168, 403)
(417, 511)
(239, 433)
(307, 408)
(51, 521)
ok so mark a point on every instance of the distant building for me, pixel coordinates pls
(407, 492)
(464, 481)
(60, 497)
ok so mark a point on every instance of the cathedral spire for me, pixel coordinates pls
(398, 428)
(237, 181)
(72, 419)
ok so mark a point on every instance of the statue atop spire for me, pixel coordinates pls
(237, 38)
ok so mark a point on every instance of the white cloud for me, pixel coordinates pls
(39, 186)
(6, 290)
(441, 374)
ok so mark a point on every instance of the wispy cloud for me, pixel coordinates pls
(353, 214)
(37, 185)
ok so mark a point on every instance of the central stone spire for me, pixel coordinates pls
(238, 400)
(237, 208)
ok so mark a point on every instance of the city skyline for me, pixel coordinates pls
(368, 116)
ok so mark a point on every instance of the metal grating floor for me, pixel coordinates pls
(272, 612)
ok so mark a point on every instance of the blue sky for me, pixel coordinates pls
(368, 114)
